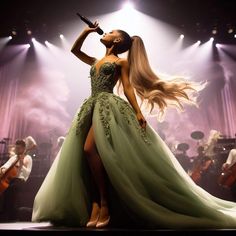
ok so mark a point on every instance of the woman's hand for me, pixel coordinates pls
(92, 29)
(141, 120)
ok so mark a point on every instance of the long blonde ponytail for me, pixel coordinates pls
(150, 88)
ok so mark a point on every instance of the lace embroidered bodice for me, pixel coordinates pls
(103, 80)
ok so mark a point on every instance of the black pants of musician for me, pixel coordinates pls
(11, 199)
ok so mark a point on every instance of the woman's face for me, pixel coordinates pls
(110, 38)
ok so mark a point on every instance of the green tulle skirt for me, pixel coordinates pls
(146, 184)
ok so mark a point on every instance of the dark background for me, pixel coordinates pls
(196, 18)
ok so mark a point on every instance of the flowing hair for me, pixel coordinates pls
(150, 88)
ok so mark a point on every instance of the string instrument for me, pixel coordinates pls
(12, 171)
(9, 175)
(196, 174)
(200, 167)
(207, 156)
(228, 177)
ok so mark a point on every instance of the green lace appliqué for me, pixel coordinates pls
(104, 112)
(84, 113)
(102, 84)
(130, 117)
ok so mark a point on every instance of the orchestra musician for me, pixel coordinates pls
(204, 173)
(229, 172)
(13, 175)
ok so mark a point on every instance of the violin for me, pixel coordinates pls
(9, 175)
(228, 177)
(201, 167)
(196, 174)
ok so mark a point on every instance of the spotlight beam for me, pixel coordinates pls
(233, 56)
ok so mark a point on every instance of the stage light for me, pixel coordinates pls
(190, 51)
(61, 36)
(235, 36)
(4, 41)
(227, 51)
(33, 39)
(46, 42)
(29, 32)
(28, 45)
(204, 52)
(230, 30)
(181, 36)
(14, 32)
(214, 31)
(128, 6)
(198, 42)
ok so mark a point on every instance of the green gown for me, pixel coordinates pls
(146, 184)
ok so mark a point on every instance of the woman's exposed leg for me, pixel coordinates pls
(99, 175)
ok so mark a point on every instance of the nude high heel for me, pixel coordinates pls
(92, 224)
(102, 224)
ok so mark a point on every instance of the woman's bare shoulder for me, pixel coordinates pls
(123, 62)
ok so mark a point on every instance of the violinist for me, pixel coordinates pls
(19, 166)
(204, 170)
(229, 170)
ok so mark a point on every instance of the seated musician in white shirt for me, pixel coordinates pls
(22, 165)
(231, 160)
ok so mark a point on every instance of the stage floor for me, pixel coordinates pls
(30, 227)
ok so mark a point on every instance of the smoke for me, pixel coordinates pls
(42, 100)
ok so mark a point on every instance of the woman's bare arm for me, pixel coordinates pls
(76, 48)
(129, 91)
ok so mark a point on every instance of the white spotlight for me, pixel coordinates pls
(198, 42)
(235, 36)
(28, 45)
(181, 36)
(128, 6)
(10, 37)
(214, 31)
(46, 42)
(211, 39)
(33, 39)
(61, 36)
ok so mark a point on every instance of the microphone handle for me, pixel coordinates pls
(90, 24)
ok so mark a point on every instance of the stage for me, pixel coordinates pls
(32, 228)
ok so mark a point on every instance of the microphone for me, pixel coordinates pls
(90, 23)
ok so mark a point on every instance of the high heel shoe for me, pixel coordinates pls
(102, 224)
(92, 224)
